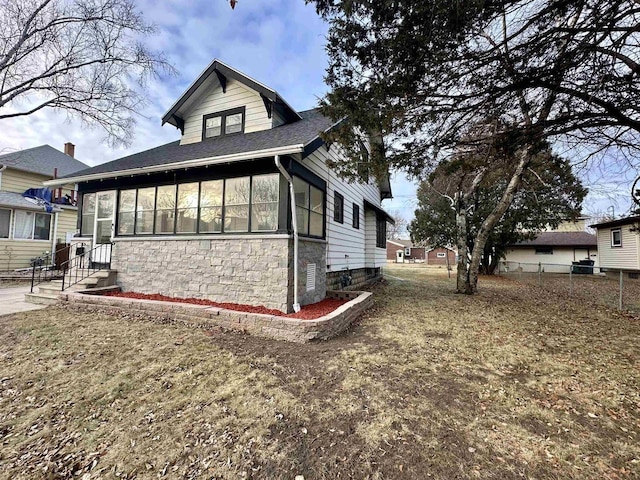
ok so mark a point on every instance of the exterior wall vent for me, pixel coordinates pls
(311, 277)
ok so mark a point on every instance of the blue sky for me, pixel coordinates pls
(280, 43)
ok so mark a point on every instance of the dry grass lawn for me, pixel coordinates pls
(510, 383)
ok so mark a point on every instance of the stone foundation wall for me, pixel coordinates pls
(359, 278)
(311, 252)
(271, 326)
(253, 271)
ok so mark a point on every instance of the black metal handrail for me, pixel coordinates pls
(43, 271)
(85, 264)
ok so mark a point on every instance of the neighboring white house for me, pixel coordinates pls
(555, 251)
(619, 244)
(209, 215)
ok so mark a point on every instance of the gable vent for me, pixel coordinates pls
(311, 277)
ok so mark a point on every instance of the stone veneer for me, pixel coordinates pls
(244, 269)
(359, 278)
(271, 326)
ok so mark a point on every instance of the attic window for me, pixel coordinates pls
(223, 123)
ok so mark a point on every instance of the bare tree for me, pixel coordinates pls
(399, 229)
(85, 57)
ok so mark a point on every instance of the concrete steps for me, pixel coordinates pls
(48, 293)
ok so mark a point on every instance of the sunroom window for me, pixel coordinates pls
(187, 213)
(236, 205)
(211, 206)
(309, 208)
(165, 209)
(126, 212)
(145, 210)
(88, 214)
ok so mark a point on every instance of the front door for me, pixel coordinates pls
(103, 228)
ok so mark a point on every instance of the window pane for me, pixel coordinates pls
(317, 200)
(165, 220)
(166, 197)
(265, 188)
(236, 191)
(302, 215)
(187, 219)
(315, 224)
(125, 223)
(105, 205)
(188, 195)
(211, 193)
(127, 201)
(211, 219)
(87, 225)
(236, 218)
(213, 127)
(301, 190)
(24, 222)
(42, 226)
(5, 220)
(88, 203)
(233, 123)
(264, 217)
(144, 213)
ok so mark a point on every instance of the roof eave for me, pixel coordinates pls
(235, 157)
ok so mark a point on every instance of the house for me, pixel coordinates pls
(29, 225)
(619, 246)
(210, 215)
(555, 251)
(441, 256)
(403, 251)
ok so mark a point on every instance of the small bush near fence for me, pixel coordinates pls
(609, 288)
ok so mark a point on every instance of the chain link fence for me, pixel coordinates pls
(619, 289)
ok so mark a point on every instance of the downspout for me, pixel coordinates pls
(294, 224)
(2, 169)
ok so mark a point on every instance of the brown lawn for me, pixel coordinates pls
(511, 383)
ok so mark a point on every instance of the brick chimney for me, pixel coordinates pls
(69, 149)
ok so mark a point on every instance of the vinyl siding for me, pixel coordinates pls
(345, 244)
(67, 222)
(557, 262)
(18, 181)
(627, 256)
(17, 253)
(215, 100)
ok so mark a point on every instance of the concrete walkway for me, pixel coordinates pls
(12, 300)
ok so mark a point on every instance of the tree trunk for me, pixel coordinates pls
(494, 217)
(462, 282)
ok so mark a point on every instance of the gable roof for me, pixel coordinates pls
(42, 160)
(223, 71)
(617, 223)
(294, 135)
(560, 239)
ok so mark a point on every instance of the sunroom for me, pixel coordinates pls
(219, 231)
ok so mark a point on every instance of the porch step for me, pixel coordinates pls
(41, 298)
(48, 292)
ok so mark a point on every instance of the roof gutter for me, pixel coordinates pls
(294, 224)
(235, 157)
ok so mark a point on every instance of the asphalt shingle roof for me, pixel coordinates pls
(560, 239)
(300, 132)
(42, 160)
(16, 200)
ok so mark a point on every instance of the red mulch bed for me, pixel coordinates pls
(307, 312)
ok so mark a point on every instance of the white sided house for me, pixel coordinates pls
(210, 215)
(619, 246)
(553, 252)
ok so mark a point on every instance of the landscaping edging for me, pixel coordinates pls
(271, 326)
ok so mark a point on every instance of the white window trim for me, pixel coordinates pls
(12, 224)
(613, 245)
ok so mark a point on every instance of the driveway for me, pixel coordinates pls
(12, 300)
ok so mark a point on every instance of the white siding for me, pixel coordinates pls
(558, 261)
(627, 256)
(345, 244)
(214, 100)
